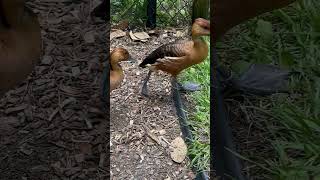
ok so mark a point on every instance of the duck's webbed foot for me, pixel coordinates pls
(189, 87)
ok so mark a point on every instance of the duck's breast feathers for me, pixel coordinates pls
(115, 79)
(175, 49)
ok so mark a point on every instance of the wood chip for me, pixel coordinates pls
(47, 60)
(89, 37)
(85, 148)
(79, 158)
(102, 159)
(75, 71)
(16, 109)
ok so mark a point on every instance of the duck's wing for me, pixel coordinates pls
(172, 50)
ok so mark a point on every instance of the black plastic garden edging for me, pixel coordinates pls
(226, 164)
(185, 129)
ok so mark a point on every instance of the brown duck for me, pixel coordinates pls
(20, 43)
(116, 71)
(177, 56)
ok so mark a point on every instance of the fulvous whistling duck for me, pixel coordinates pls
(179, 55)
(229, 13)
(20, 43)
(116, 71)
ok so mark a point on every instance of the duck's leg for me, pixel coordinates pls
(189, 86)
(144, 90)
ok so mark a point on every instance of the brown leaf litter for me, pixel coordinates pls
(51, 126)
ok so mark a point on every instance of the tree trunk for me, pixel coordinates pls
(200, 9)
(151, 13)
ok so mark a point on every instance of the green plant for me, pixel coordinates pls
(289, 38)
(200, 117)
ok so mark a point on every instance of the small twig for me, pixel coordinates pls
(151, 135)
(60, 145)
(76, 128)
(4, 158)
(61, 106)
(102, 159)
(88, 122)
(80, 141)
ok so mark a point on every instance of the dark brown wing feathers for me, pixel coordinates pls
(175, 49)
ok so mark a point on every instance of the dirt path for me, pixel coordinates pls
(135, 153)
(51, 126)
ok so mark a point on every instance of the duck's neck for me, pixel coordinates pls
(198, 41)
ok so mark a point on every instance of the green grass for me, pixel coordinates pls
(289, 38)
(200, 118)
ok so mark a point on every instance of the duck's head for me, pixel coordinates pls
(121, 54)
(201, 27)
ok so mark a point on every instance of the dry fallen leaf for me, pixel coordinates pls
(139, 36)
(179, 152)
(179, 34)
(116, 34)
(132, 36)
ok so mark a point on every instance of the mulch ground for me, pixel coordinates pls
(143, 127)
(53, 125)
